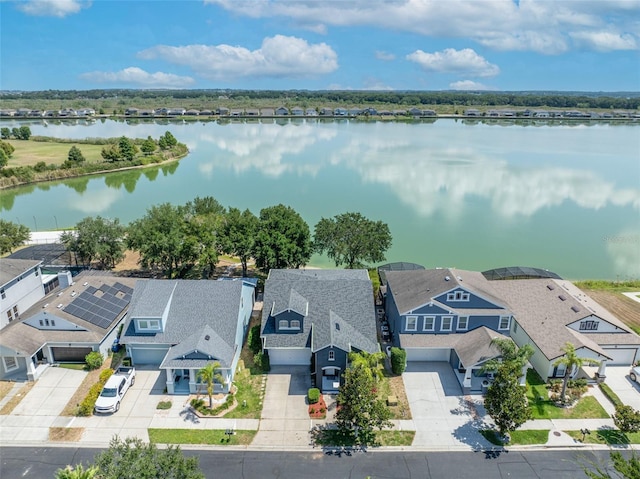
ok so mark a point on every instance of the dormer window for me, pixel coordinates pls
(286, 325)
(148, 325)
(458, 296)
(332, 355)
(589, 326)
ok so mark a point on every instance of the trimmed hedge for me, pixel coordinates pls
(610, 395)
(255, 344)
(398, 360)
(313, 395)
(93, 360)
(88, 403)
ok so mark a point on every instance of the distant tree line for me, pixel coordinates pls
(185, 241)
(531, 99)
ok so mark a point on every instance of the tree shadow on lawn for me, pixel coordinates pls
(469, 434)
(332, 442)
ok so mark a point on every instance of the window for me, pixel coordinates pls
(515, 327)
(412, 323)
(15, 311)
(295, 324)
(9, 315)
(504, 322)
(429, 323)
(10, 363)
(149, 324)
(589, 326)
(283, 324)
(332, 355)
(446, 323)
(463, 322)
(3, 294)
(37, 272)
(458, 296)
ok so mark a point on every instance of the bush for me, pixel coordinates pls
(627, 419)
(94, 360)
(255, 344)
(261, 360)
(610, 395)
(398, 360)
(313, 395)
(85, 408)
(164, 405)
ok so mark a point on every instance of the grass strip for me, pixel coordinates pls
(333, 437)
(518, 438)
(200, 436)
(610, 437)
(15, 400)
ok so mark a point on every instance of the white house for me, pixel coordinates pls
(20, 287)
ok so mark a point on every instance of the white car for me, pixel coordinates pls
(115, 389)
(635, 374)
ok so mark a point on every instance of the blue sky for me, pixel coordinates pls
(571, 45)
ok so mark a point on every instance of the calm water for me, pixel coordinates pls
(469, 195)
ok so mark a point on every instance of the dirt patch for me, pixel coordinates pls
(130, 262)
(402, 410)
(15, 400)
(5, 387)
(65, 434)
(626, 309)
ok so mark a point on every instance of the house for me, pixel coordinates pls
(282, 111)
(472, 112)
(315, 318)
(310, 112)
(340, 112)
(192, 112)
(355, 111)
(179, 326)
(20, 287)
(86, 112)
(297, 111)
(428, 309)
(222, 111)
(252, 112)
(131, 111)
(267, 112)
(326, 111)
(176, 111)
(81, 316)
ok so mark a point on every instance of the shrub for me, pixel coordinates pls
(255, 344)
(94, 360)
(610, 395)
(627, 419)
(164, 405)
(313, 395)
(85, 408)
(398, 360)
(197, 403)
(261, 360)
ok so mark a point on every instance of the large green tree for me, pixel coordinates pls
(134, 459)
(282, 240)
(238, 235)
(506, 400)
(360, 411)
(97, 239)
(78, 472)
(205, 217)
(351, 239)
(509, 353)
(12, 235)
(624, 468)
(571, 361)
(148, 146)
(127, 148)
(5, 133)
(161, 239)
(371, 362)
(209, 375)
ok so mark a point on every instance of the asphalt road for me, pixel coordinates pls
(41, 463)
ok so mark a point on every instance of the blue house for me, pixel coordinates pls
(315, 318)
(446, 315)
(180, 326)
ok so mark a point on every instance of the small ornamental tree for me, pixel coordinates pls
(571, 361)
(398, 360)
(127, 149)
(210, 375)
(255, 343)
(506, 400)
(25, 132)
(627, 419)
(148, 146)
(5, 133)
(93, 360)
(7, 147)
(12, 235)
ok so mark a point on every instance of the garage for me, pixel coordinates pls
(153, 356)
(428, 354)
(69, 354)
(621, 356)
(290, 356)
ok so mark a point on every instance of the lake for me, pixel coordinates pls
(455, 193)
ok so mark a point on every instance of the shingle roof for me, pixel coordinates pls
(202, 346)
(12, 268)
(343, 297)
(197, 308)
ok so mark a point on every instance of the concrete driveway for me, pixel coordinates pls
(628, 391)
(285, 419)
(442, 416)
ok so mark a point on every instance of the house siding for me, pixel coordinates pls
(475, 302)
(322, 361)
(288, 316)
(23, 293)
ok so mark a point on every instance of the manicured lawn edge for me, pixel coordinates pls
(333, 438)
(610, 437)
(518, 438)
(200, 436)
(610, 395)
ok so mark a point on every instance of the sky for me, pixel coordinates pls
(502, 45)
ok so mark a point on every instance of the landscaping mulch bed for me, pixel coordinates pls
(318, 410)
(14, 401)
(65, 434)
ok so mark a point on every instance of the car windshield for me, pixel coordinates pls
(108, 393)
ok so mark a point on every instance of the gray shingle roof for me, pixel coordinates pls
(197, 308)
(204, 345)
(343, 297)
(12, 268)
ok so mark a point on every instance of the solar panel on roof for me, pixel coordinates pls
(100, 310)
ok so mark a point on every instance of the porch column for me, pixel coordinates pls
(602, 370)
(193, 373)
(31, 370)
(466, 383)
(170, 383)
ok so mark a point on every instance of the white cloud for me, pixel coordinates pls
(605, 41)
(139, 77)
(526, 25)
(278, 56)
(52, 8)
(450, 60)
(468, 85)
(385, 56)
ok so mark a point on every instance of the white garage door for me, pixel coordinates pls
(293, 356)
(620, 356)
(148, 356)
(428, 354)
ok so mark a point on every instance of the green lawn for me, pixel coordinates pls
(607, 436)
(200, 436)
(249, 390)
(77, 366)
(629, 286)
(518, 438)
(29, 152)
(332, 437)
(588, 407)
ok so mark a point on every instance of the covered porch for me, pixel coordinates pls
(185, 381)
(330, 380)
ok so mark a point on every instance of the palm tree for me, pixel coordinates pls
(368, 361)
(509, 353)
(78, 472)
(209, 375)
(571, 360)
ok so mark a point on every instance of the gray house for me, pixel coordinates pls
(180, 326)
(315, 318)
